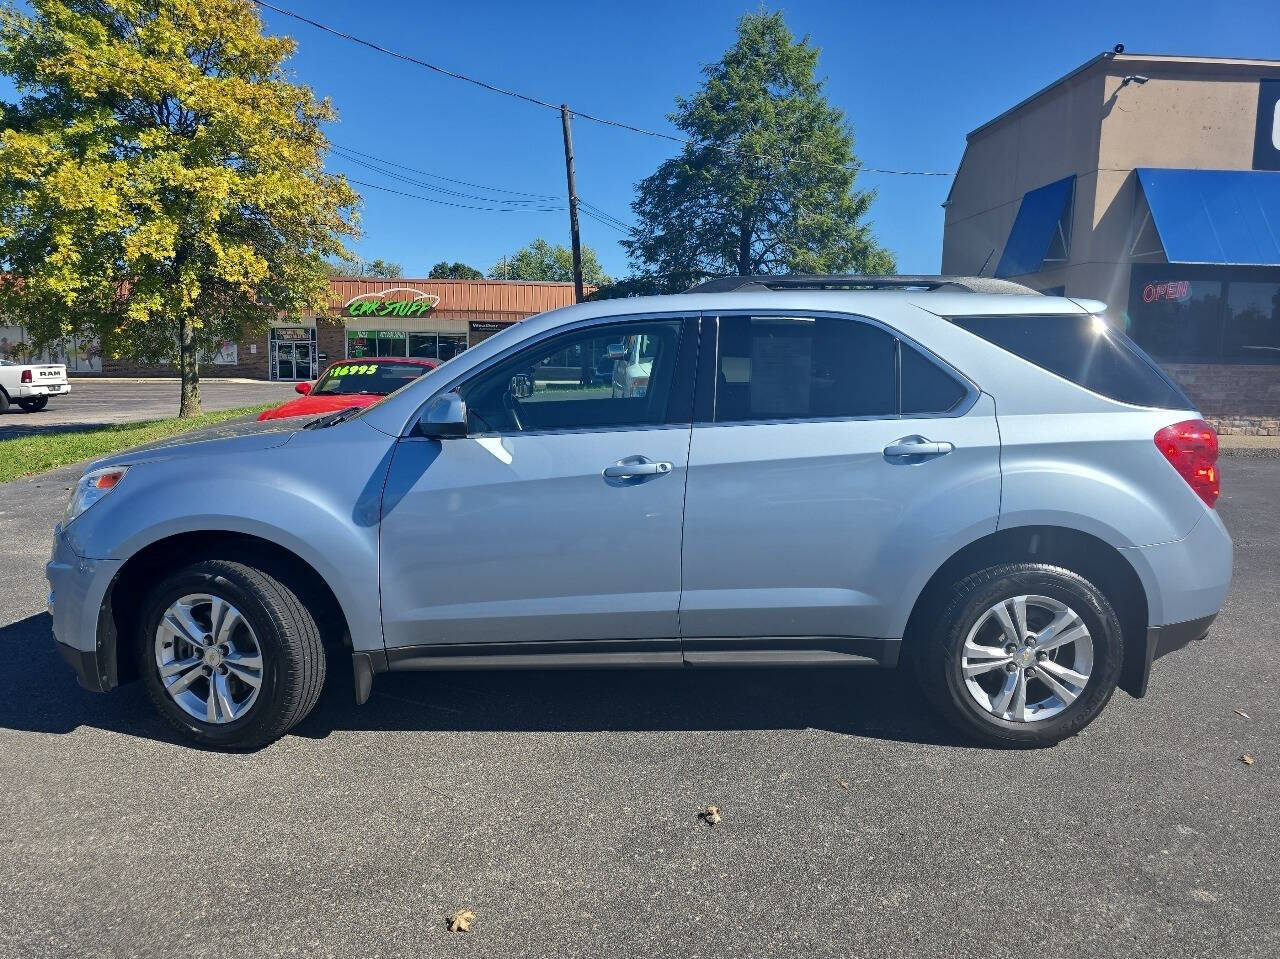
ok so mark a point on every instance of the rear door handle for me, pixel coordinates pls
(916, 448)
(634, 467)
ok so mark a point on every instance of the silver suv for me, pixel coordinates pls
(990, 486)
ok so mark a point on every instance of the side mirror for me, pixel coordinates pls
(444, 418)
(303, 388)
(521, 386)
(616, 351)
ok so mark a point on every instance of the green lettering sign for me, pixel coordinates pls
(382, 305)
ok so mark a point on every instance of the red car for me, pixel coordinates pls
(348, 383)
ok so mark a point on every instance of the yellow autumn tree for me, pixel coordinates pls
(162, 182)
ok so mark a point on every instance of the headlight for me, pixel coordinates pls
(91, 488)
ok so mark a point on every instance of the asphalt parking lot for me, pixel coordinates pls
(561, 807)
(101, 402)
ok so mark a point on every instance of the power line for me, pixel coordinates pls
(603, 216)
(536, 101)
(439, 189)
(438, 176)
(464, 206)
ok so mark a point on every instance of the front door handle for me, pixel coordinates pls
(634, 467)
(916, 448)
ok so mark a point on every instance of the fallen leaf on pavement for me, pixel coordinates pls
(1247, 759)
(710, 815)
(1241, 712)
(843, 784)
(460, 921)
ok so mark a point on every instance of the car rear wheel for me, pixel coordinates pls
(1024, 654)
(230, 656)
(35, 404)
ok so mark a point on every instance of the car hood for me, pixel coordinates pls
(319, 405)
(235, 435)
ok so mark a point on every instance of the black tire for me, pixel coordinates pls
(293, 659)
(35, 404)
(4, 402)
(937, 660)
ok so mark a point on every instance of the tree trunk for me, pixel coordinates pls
(188, 370)
(744, 249)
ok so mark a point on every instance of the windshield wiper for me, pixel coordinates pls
(331, 419)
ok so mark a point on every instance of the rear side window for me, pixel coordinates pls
(773, 367)
(1085, 351)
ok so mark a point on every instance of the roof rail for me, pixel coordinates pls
(802, 281)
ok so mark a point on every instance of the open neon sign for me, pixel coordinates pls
(1174, 290)
(383, 304)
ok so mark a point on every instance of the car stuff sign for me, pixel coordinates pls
(400, 301)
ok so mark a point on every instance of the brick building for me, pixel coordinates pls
(1151, 183)
(364, 317)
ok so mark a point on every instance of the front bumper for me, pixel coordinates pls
(82, 629)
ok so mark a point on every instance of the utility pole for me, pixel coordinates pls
(573, 203)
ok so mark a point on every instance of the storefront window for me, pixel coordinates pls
(1177, 319)
(1253, 322)
(1206, 315)
(424, 345)
(376, 343)
(451, 344)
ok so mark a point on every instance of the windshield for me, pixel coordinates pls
(375, 379)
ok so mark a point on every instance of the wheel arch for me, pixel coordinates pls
(120, 619)
(1083, 553)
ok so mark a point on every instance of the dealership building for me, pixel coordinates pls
(364, 317)
(1151, 183)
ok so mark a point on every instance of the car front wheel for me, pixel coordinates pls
(1024, 654)
(230, 656)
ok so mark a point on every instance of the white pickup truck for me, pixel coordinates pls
(31, 384)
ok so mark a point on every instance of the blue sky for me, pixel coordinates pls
(913, 79)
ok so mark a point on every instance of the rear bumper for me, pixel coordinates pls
(31, 390)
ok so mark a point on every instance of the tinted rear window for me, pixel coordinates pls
(1081, 349)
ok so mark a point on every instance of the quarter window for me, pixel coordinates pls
(1084, 350)
(615, 376)
(926, 387)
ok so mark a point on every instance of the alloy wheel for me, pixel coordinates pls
(209, 658)
(1027, 658)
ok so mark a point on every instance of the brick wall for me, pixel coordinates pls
(1230, 391)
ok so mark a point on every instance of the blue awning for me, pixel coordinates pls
(1215, 216)
(1033, 228)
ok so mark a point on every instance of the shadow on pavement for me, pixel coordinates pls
(38, 693)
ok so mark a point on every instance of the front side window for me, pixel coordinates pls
(803, 368)
(613, 376)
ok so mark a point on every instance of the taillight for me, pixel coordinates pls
(26, 376)
(1192, 447)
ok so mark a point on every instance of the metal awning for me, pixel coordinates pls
(1044, 215)
(1215, 216)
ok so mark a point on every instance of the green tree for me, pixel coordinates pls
(379, 268)
(549, 263)
(162, 184)
(445, 270)
(767, 185)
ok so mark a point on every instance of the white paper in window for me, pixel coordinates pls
(781, 367)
